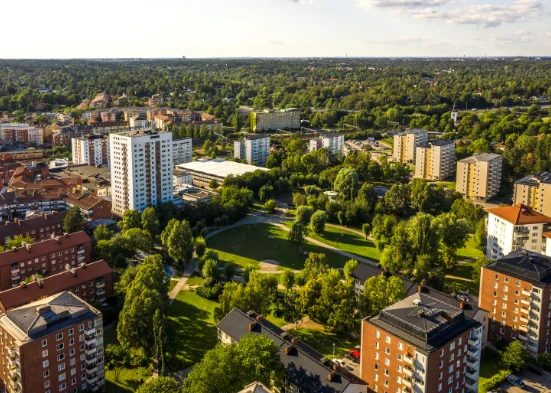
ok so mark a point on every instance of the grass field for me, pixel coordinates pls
(191, 329)
(490, 365)
(348, 241)
(389, 141)
(470, 250)
(462, 275)
(322, 341)
(247, 245)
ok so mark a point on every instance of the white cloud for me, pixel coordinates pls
(408, 40)
(401, 4)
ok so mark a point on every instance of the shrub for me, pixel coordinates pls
(494, 381)
(270, 205)
(210, 292)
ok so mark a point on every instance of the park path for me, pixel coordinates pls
(188, 271)
(355, 231)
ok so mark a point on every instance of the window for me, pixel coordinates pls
(387, 339)
(452, 346)
(46, 384)
(400, 346)
(61, 367)
(44, 343)
(61, 356)
(442, 353)
(59, 347)
(59, 336)
(387, 350)
(63, 386)
(439, 387)
(46, 374)
(45, 364)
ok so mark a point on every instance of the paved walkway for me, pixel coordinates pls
(359, 233)
(188, 271)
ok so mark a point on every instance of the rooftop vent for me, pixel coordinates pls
(332, 376)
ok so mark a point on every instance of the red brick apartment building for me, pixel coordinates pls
(52, 345)
(90, 282)
(39, 228)
(421, 344)
(516, 290)
(46, 257)
(91, 206)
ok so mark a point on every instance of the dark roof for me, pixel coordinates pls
(438, 142)
(535, 179)
(51, 314)
(51, 285)
(305, 367)
(17, 227)
(253, 137)
(424, 321)
(365, 271)
(525, 265)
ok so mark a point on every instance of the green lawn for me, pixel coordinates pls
(276, 321)
(470, 250)
(389, 140)
(195, 280)
(129, 379)
(172, 284)
(462, 275)
(322, 341)
(191, 329)
(490, 365)
(248, 244)
(348, 241)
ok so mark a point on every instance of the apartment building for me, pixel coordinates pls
(40, 228)
(306, 369)
(534, 191)
(21, 134)
(511, 228)
(334, 143)
(49, 256)
(52, 345)
(155, 99)
(435, 160)
(138, 122)
(516, 290)
(479, 176)
(91, 206)
(421, 344)
(107, 127)
(547, 247)
(141, 170)
(91, 150)
(181, 151)
(100, 101)
(90, 282)
(405, 145)
(270, 120)
(252, 148)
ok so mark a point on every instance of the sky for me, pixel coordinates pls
(274, 28)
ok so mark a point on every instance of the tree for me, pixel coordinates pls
(179, 242)
(297, 236)
(17, 242)
(349, 268)
(304, 213)
(380, 292)
(366, 229)
(346, 183)
(117, 358)
(159, 385)
(480, 235)
(398, 199)
(314, 266)
(167, 231)
(131, 219)
(159, 333)
(266, 192)
(383, 227)
(210, 270)
(102, 232)
(137, 239)
(74, 220)
(453, 233)
(150, 222)
(515, 357)
(317, 222)
(270, 205)
(200, 247)
(476, 270)
(213, 184)
(229, 271)
(288, 279)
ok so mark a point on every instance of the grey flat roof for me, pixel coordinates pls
(481, 157)
(535, 178)
(219, 168)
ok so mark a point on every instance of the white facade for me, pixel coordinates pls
(92, 150)
(252, 149)
(181, 151)
(141, 170)
(334, 144)
(406, 143)
(435, 160)
(36, 136)
(273, 120)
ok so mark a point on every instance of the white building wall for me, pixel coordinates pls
(181, 151)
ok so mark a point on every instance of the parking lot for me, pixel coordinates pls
(352, 366)
(534, 383)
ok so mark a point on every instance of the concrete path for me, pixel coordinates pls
(359, 233)
(188, 271)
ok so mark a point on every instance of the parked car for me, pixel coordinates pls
(514, 380)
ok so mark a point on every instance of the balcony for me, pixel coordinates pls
(15, 276)
(472, 374)
(408, 358)
(470, 383)
(523, 319)
(522, 337)
(90, 350)
(100, 292)
(472, 351)
(89, 341)
(525, 292)
(90, 360)
(100, 285)
(13, 352)
(91, 379)
(91, 369)
(523, 328)
(90, 331)
(408, 371)
(525, 301)
(524, 310)
(407, 382)
(472, 363)
(406, 390)
(474, 341)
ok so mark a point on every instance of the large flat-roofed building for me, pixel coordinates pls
(203, 171)
(307, 370)
(535, 191)
(405, 145)
(435, 160)
(421, 344)
(141, 170)
(91, 150)
(181, 151)
(53, 344)
(511, 228)
(334, 143)
(479, 176)
(90, 282)
(49, 256)
(253, 148)
(516, 290)
(271, 120)
(40, 227)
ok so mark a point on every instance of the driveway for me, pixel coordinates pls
(534, 383)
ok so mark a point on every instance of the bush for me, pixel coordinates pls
(543, 360)
(494, 381)
(317, 222)
(270, 206)
(210, 292)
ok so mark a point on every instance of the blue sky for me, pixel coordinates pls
(275, 28)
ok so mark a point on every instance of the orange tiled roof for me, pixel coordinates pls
(519, 215)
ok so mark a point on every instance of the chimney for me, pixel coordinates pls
(462, 304)
(332, 375)
(40, 283)
(66, 234)
(252, 325)
(23, 284)
(27, 246)
(294, 340)
(14, 249)
(74, 272)
(259, 318)
(82, 265)
(289, 349)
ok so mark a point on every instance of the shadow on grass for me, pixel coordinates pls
(191, 330)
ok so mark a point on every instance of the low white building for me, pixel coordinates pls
(515, 227)
(204, 171)
(181, 177)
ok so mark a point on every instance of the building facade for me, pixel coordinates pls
(516, 289)
(91, 150)
(91, 206)
(273, 120)
(421, 344)
(52, 345)
(253, 148)
(435, 160)
(515, 227)
(479, 176)
(333, 142)
(405, 145)
(21, 134)
(141, 170)
(181, 151)
(534, 191)
(39, 228)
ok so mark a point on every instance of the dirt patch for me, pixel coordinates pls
(269, 265)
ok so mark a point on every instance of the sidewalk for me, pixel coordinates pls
(188, 271)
